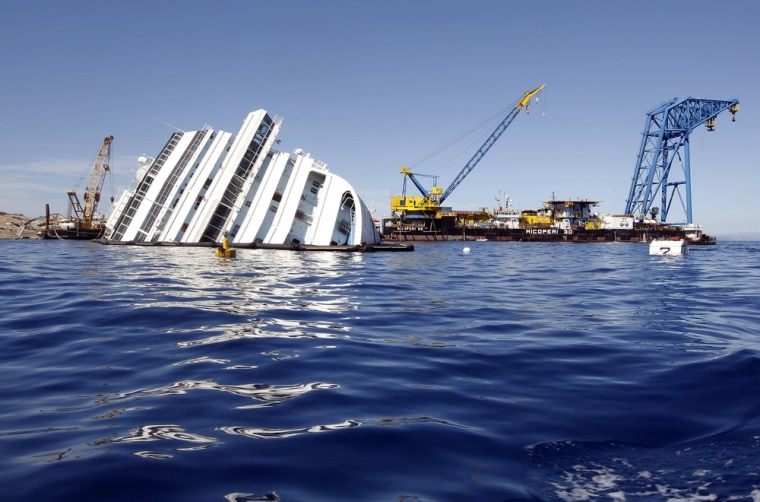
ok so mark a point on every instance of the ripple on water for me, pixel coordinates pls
(520, 371)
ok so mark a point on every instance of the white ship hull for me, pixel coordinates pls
(205, 185)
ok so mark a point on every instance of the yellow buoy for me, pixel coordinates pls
(224, 251)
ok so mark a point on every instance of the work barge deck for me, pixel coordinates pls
(556, 221)
(549, 235)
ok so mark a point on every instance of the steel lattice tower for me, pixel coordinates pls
(666, 134)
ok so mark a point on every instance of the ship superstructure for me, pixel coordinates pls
(205, 185)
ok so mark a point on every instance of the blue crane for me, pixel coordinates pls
(667, 133)
(431, 201)
(490, 141)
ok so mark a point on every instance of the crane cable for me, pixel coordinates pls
(87, 172)
(109, 173)
(466, 141)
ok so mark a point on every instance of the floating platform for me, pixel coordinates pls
(668, 247)
(550, 234)
(557, 221)
(72, 233)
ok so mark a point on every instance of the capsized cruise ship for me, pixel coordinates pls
(206, 185)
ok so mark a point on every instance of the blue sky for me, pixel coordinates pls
(368, 85)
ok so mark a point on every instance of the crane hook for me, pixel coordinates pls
(733, 110)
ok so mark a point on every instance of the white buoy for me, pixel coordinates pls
(466, 250)
(668, 247)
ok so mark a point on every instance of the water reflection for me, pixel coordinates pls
(402, 421)
(158, 432)
(265, 433)
(258, 278)
(55, 456)
(250, 497)
(275, 328)
(154, 455)
(267, 395)
(281, 294)
(271, 433)
(203, 359)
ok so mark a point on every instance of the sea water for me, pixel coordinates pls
(517, 371)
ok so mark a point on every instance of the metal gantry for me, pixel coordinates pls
(665, 136)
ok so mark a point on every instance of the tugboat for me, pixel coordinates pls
(694, 236)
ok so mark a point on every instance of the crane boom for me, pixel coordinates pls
(92, 193)
(409, 174)
(490, 141)
(102, 166)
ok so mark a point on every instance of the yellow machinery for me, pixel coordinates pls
(427, 203)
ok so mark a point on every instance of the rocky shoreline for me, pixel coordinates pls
(10, 224)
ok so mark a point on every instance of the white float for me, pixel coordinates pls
(668, 247)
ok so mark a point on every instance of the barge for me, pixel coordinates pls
(556, 221)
